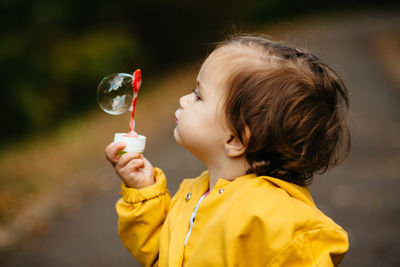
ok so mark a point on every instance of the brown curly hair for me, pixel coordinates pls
(293, 106)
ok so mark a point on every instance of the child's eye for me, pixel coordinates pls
(196, 94)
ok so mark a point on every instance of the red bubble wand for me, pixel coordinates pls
(136, 83)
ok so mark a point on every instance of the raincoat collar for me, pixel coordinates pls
(301, 193)
(296, 191)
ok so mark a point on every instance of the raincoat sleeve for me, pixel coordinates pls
(141, 215)
(319, 247)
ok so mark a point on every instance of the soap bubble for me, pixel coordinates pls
(115, 93)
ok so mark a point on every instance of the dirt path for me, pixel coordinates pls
(361, 195)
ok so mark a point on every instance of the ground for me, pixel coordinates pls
(361, 195)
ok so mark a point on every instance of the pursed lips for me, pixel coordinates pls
(176, 117)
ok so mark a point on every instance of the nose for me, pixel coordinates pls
(183, 101)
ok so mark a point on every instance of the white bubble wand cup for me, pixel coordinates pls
(114, 96)
(133, 144)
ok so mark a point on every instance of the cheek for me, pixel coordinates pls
(201, 131)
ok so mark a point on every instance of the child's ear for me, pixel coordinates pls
(233, 146)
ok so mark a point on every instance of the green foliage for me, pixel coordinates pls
(52, 59)
(46, 79)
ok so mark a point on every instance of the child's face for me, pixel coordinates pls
(200, 118)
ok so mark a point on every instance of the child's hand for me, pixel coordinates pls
(134, 169)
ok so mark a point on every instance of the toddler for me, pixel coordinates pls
(263, 118)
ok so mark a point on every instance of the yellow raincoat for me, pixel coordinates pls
(251, 221)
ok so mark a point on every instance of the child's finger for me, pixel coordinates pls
(135, 164)
(130, 168)
(113, 148)
(127, 157)
(112, 151)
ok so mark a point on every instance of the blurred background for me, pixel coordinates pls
(57, 192)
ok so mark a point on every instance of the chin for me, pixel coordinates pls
(177, 137)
